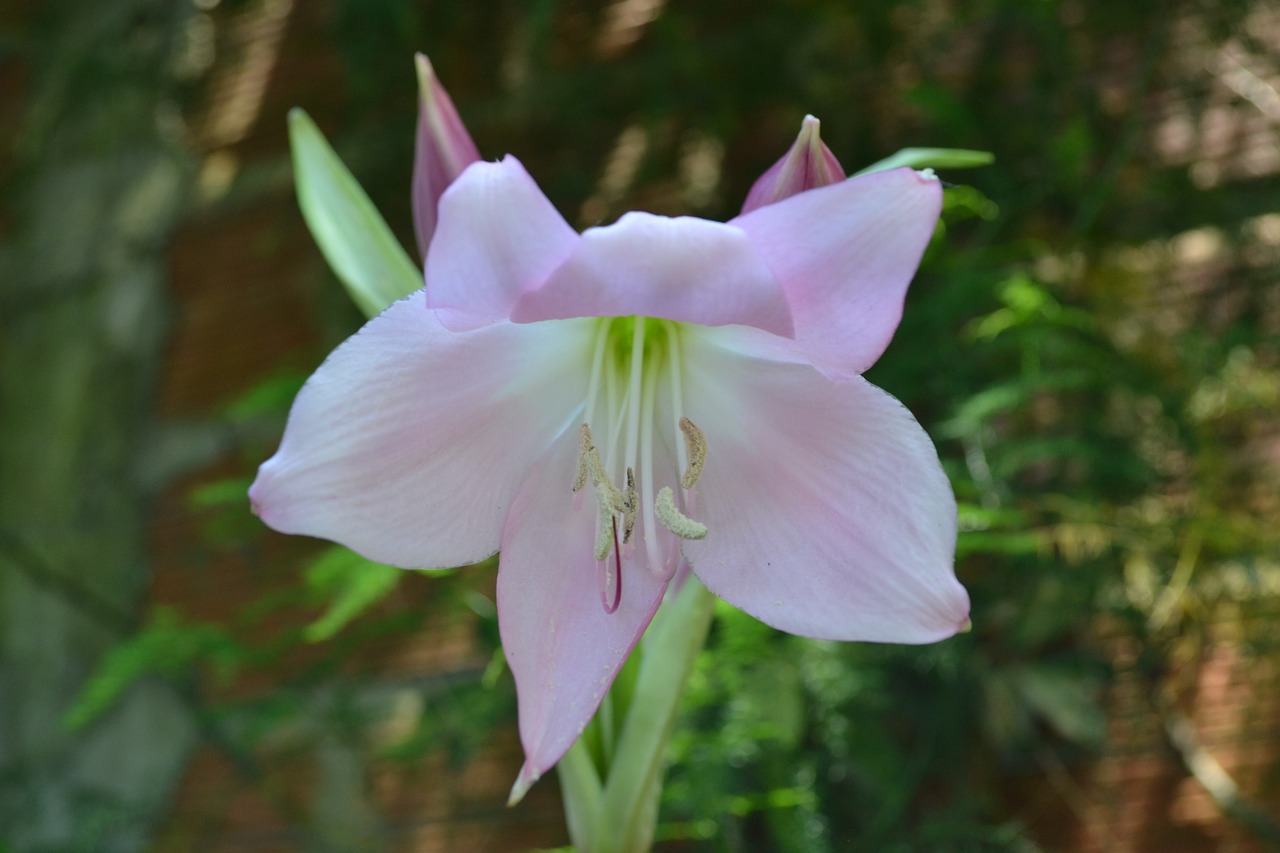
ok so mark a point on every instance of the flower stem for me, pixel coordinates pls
(582, 793)
(621, 816)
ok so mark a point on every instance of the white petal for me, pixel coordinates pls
(497, 237)
(845, 254)
(410, 442)
(563, 648)
(828, 512)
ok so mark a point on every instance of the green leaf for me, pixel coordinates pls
(169, 647)
(354, 583)
(271, 396)
(670, 647)
(1066, 700)
(230, 492)
(935, 158)
(355, 240)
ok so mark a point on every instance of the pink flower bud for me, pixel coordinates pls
(444, 150)
(808, 165)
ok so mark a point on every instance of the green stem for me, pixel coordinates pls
(582, 793)
(628, 812)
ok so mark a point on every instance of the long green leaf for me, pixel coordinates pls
(936, 158)
(355, 240)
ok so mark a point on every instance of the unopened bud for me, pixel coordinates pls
(444, 150)
(808, 165)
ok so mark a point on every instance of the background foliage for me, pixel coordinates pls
(1092, 341)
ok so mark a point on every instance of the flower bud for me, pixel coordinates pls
(444, 149)
(808, 165)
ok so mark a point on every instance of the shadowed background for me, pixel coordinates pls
(1093, 343)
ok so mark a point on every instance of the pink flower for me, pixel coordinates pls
(606, 407)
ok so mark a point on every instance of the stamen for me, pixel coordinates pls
(632, 503)
(589, 464)
(674, 520)
(604, 530)
(696, 445)
(604, 486)
(584, 450)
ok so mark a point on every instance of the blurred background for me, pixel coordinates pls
(1093, 341)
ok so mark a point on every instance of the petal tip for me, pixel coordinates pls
(259, 501)
(528, 776)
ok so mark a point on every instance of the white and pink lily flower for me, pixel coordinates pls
(607, 408)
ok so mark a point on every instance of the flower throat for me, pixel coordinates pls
(617, 459)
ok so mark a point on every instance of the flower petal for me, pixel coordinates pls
(497, 236)
(563, 648)
(684, 269)
(828, 512)
(410, 442)
(845, 255)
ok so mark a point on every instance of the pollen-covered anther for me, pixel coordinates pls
(584, 450)
(696, 445)
(604, 530)
(674, 520)
(589, 465)
(609, 498)
(631, 502)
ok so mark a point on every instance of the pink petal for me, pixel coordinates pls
(497, 237)
(563, 648)
(808, 164)
(828, 512)
(845, 255)
(410, 442)
(444, 149)
(682, 269)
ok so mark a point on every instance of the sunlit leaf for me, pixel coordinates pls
(933, 158)
(355, 240)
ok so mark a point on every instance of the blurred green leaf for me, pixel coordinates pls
(271, 396)
(352, 584)
(355, 240)
(233, 492)
(169, 646)
(1064, 698)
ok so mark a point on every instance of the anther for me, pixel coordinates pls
(584, 450)
(631, 502)
(676, 521)
(589, 465)
(604, 530)
(696, 444)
